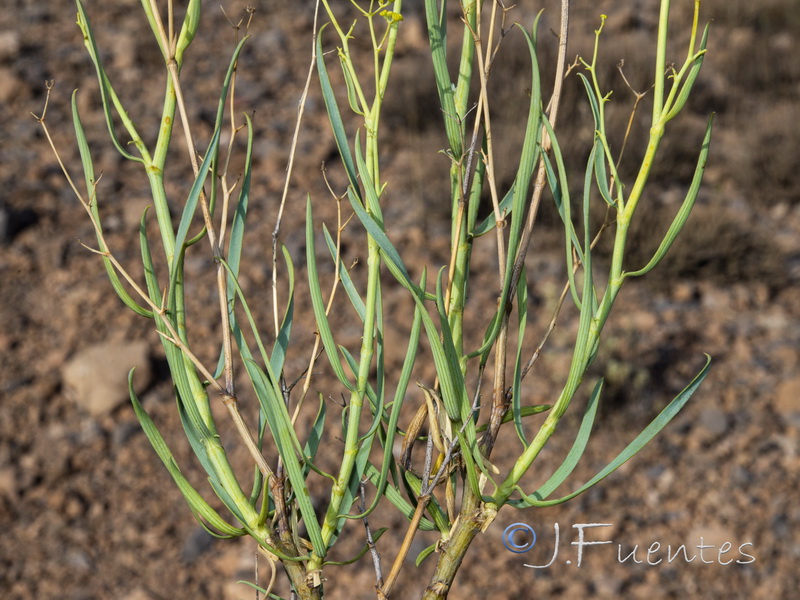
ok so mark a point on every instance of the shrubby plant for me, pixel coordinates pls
(448, 485)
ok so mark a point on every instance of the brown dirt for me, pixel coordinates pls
(86, 509)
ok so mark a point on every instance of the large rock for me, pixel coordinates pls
(97, 377)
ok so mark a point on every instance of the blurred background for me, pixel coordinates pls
(87, 510)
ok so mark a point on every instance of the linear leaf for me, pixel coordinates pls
(334, 116)
(649, 432)
(91, 189)
(516, 391)
(686, 207)
(281, 345)
(286, 441)
(437, 35)
(489, 223)
(323, 325)
(578, 447)
(394, 496)
(315, 434)
(375, 230)
(697, 63)
(344, 277)
(394, 416)
(199, 507)
(107, 92)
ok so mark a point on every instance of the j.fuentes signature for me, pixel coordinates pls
(520, 538)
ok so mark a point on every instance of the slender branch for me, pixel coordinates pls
(292, 152)
(376, 558)
(483, 71)
(500, 405)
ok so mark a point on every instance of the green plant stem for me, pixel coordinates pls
(474, 518)
(461, 98)
(305, 586)
(585, 351)
(155, 176)
(330, 525)
(661, 61)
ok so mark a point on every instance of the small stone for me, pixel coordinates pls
(684, 291)
(787, 400)
(9, 43)
(97, 377)
(714, 421)
(137, 594)
(10, 85)
(8, 482)
(78, 560)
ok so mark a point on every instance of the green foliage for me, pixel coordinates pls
(459, 421)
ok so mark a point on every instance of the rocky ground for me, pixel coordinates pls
(86, 509)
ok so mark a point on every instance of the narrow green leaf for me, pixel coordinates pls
(212, 154)
(697, 63)
(236, 242)
(334, 116)
(686, 207)
(600, 172)
(323, 325)
(437, 35)
(397, 404)
(564, 210)
(352, 363)
(525, 411)
(649, 432)
(107, 92)
(281, 345)
(238, 334)
(593, 102)
(315, 435)
(516, 389)
(191, 22)
(344, 277)
(578, 447)
(424, 554)
(147, 261)
(261, 590)
(373, 204)
(194, 194)
(376, 398)
(394, 496)
(389, 252)
(352, 96)
(200, 508)
(286, 441)
(88, 171)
